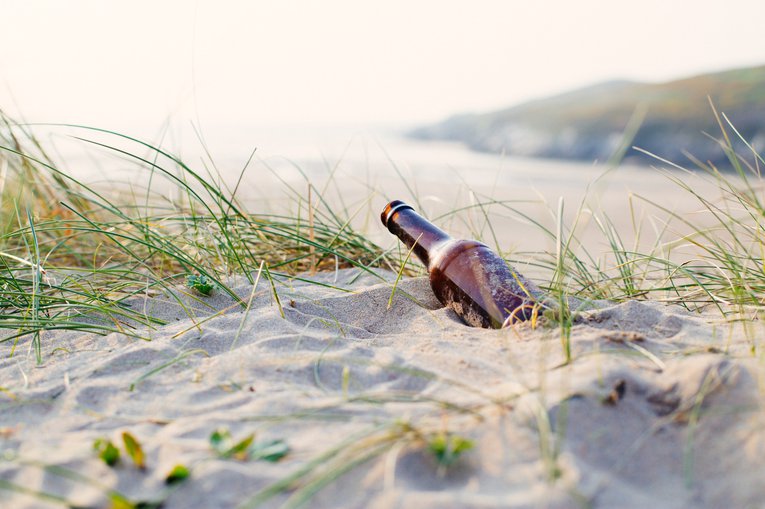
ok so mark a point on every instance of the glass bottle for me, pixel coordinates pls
(465, 275)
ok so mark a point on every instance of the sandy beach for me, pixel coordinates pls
(348, 387)
(200, 307)
(659, 407)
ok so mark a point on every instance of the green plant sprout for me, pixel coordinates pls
(134, 450)
(201, 284)
(178, 474)
(107, 451)
(448, 447)
(223, 443)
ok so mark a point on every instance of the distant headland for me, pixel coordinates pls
(673, 120)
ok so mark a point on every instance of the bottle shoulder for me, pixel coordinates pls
(445, 253)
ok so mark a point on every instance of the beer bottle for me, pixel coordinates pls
(465, 275)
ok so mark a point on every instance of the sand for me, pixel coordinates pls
(658, 408)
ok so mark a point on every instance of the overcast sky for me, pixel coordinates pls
(117, 64)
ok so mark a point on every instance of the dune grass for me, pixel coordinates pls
(72, 255)
(711, 259)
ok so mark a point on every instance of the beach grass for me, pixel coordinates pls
(70, 250)
(72, 256)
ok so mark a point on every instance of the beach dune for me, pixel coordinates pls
(378, 406)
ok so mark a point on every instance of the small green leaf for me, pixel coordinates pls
(201, 284)
(134, 450)
(240, 450)
(272, 450)
(107, 451)
(219, 438)
(179, 473)
(118, 501)
(447, 448)
(223, 443)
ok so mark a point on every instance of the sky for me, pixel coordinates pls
(122, 65)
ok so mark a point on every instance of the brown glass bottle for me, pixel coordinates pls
(465, 275)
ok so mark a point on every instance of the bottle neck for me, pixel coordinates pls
(419, 234)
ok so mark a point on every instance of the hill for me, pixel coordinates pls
(589, 123)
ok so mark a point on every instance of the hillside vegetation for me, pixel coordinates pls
(594, 123)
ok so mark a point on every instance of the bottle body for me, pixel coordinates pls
(465, 275)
